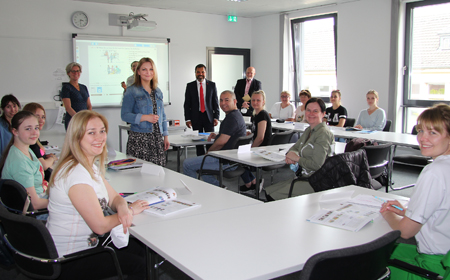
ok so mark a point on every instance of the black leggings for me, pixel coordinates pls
(131, 260)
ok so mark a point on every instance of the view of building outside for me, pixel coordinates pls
(315, 56)
(430, 58)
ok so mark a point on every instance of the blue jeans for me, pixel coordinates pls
(191, 165)
(248, 176)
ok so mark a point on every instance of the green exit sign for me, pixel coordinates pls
(232, 18)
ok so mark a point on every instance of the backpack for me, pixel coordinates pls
(358, 143)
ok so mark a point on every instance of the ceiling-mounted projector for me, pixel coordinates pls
(141, 25)
(132, 22)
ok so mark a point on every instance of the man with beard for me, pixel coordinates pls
(201, 105)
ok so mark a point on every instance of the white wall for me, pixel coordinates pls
(363, 49)
(35, 40)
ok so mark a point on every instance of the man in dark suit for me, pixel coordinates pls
(201, 105)
(244, 89)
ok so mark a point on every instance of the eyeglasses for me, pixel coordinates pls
(284, 96)
(75, 71)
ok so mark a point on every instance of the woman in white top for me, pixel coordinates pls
(427, 217)
(284, 109)
(373, 118)
(79, 201)
(304, 96)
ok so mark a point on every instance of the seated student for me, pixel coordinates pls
(10, 106)
(262, 131)
(47, 160)
(336, 115)
(427, 217)
(308, 154)
(231, 128)
(20, 163)
(372, 118)
(304, 96)
(80, 197)
(284, 109)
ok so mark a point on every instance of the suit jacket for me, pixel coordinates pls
(192, 103)
(239, 90)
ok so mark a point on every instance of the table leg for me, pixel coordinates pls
(258, 175)
(120, 139)
(178, 158)
(220, 172)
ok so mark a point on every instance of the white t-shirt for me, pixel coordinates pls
(68, 229)
(300, 115)
(282, 113)
(430, 206)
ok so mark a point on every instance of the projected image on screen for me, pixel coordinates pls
(106, 63)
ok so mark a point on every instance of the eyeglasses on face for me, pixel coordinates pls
(75, 71)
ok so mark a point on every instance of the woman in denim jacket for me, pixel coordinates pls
(143, 107)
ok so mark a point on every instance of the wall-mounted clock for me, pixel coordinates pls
(80, 19)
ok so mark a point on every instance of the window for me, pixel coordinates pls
(427, 58)
(314, 44)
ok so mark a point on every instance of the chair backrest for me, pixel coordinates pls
(367, 261)
(244, 140)
(280, 137)
(13, 195)
(377, 158)
(387, 126)
(349, 122)
(30, 236)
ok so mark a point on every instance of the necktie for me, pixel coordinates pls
(247, 86)
(202, 99)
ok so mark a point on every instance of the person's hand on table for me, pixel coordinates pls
(292, 158)
(388, 207)
(138, 206)
(359, 126)
(211, 136)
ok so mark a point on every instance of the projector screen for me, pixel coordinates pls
(106, 62)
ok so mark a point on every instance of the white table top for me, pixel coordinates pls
(401, 139)
(210, 197)
(181, 141)
(259, 241)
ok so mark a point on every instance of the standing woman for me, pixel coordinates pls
(47, 160)
(304, 95)
(336, 115)
(20, 163)
(80, 198)
(10, 106)
(373, 118)
(262, 131)
(75, 96)
(427, 217)
(143, 107)
(284, 109)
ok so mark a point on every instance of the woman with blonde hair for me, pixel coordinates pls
(47, 160)
(427, 217)
(372, 118)
(283, 110)
(75, 96)
(143, 107)
(262, 131)
(81, 199)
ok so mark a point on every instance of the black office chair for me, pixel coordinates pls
(349, 122)
(15, 198)
(34, 251)
(277, 139)
(367, 261)
(387, 126)
(227, 173)
(378, 158)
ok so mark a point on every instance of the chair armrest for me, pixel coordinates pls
(95, 251)
(293, 183)
(414, 269)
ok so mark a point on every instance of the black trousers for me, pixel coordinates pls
(202, 124)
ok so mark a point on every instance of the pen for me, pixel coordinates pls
(395, 206)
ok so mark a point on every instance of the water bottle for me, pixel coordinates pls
(294, 167)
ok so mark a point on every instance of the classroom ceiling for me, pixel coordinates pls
(248, 8)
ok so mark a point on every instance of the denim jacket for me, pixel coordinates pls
(137, 102)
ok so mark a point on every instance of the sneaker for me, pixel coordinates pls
(244, 188)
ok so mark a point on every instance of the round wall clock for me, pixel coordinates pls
(80, 19)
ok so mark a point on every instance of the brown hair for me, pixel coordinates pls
(306, 93)
(137, 77)
(436, 117)
(32, 107)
